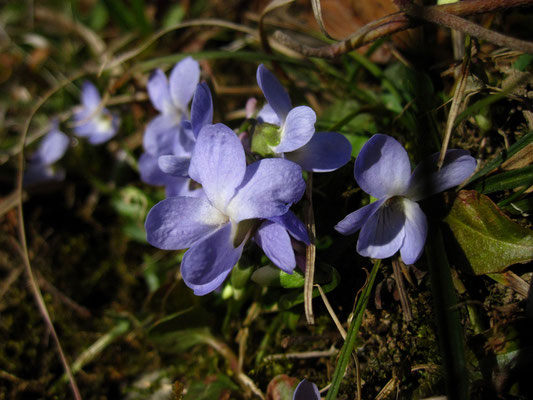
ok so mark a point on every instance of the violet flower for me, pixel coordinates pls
(395, 221)
(215, 228)
(52, 147)
(97, 124)
(290, 132)
(306, 391)
(274, 237)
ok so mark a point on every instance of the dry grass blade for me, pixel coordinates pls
(310, 255)
(274, 4)
(317, 11)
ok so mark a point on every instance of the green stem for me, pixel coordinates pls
(349, 343)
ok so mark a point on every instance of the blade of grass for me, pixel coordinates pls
(349, 343)
(447, 314)
(507, 180)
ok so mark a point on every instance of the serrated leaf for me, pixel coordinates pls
(489, 239)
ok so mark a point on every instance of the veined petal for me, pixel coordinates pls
(297, 129)
(160, 135)
(183, 80)
(416, 230)
(201, 108)
(173, 165)
(218, 163)
(158, 92)
(293, 225)
(90, 98)
(427, 179)
(382, 167)
(276, 243)
(206, 264)
(179, 222)
(355, 220)
(275, 94)
(268, 189)
(51, 148)
(326, 151)
(383, 233)
(306, 391)
(268, 115)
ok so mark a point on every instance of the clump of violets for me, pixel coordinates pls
(51, 148)
(395, 222)
(306, 391)
(92, 121)
(237, 198)
(289, 132)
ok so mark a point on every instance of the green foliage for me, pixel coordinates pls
(489, 240)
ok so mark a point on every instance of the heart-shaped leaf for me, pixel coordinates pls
(489, 239)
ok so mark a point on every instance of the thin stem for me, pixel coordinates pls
(310, 254)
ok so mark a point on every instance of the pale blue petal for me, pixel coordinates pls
(276, 243)
(201, 108)
(52, 147)
(90, 98)
(297, 130)
(306, 391)
(355, 220)
(427, 179)
(160, 135)
(268, 189)
(275, 94)
(382, 167)
(208, 263)
(150, 172)
(383, 232)
(268, 115)
(179, 222)
(183, 80)
(173, 165)
(294, 226)
(326, 151)
(416, 230)
(218, 163)
(105, 127)
(184, 141)
(179, 186)
(158, 91)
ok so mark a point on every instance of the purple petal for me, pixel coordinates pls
(158, 91)
(306, 391)
(268, 115)
(326, 151)
(276, 243)
(268, 189)
(355, 220)
(179, 222)
(427, 180)
(201, 108)
(105, 126)
(208, 263)
(150, 171)
(90, 98)
(160, 135)
(416, 230)
(52, 147)
(382, 234)
(179, 186)
(183, 80)
(38, 173)
(294, 226)
(173, 165)
(184, 141)
(275, 94)
(297, 129)
(382, 167)
(218, 163)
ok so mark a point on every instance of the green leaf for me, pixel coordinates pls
(210, 389)
(272, 276)
(488, 238)
(282, 387)
(507, 180)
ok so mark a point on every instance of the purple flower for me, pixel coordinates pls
(290, 132)
(97, 124)
(51, 149)
(274, 237)
(306, 391)
(395, 221)
(215, 228)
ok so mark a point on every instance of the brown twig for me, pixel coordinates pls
(404, 301)
(401, 21)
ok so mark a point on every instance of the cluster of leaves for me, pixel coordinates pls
(132, 329)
